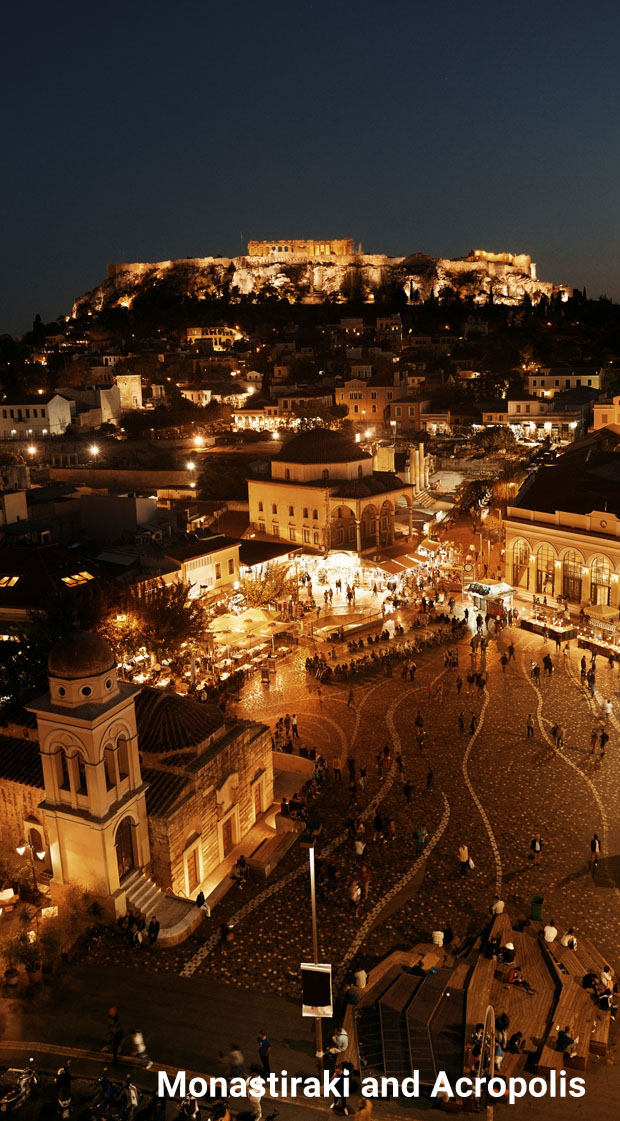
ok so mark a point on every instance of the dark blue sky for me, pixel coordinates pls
(149, 130)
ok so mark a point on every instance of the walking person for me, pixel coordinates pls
(461, 719)
(595, 852)
(336, 767)
(294, 726)
(593, 740)
(529, 724)
(464, 859)
(362, 777)
(115, 1033)
(350, 698)
(264, 1051)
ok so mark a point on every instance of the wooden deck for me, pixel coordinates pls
(576, 1006)
(530, 1014)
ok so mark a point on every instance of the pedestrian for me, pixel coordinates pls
(378, 827)
(153, 930)
(340, 1083)
(400, 767)
(350, 698)
(254, 1100)
(351, 767)
(529, 724)
(364, 881)
(511, 653)
(115, 1033)
(419, 720)
(595, 851)
(287, 724)
(408, 791)
(459, 685)
(430, 779)
(355, 896)
(336, 767)
(464, 859)
(421, 835)
(593, 740)
(536, 847)
(362, 777)
(473, 723)
(294, 726)
(604, 741)
(129, 1099)
(461, 723)
(139, 1048)
(264, 1050)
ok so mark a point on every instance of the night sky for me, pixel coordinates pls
(145, 131)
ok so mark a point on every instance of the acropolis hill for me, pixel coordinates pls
(311, 271)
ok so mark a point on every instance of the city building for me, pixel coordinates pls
(533, 418)
(324, 493)
(198, 395)
(130, 389)
(606, 413)
(26, 418)
(119, 784)
(550, 380)
(563, 527)
(219, 338)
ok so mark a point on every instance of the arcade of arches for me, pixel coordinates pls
(373, 525)
(579, 574)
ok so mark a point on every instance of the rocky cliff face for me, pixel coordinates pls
(299, 280)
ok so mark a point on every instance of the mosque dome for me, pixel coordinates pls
(80, 654)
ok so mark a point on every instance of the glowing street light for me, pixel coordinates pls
(94, 450)
(31, 449)
(275, 435)
(191, 466)
(199, 441)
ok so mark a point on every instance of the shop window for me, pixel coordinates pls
(545, 571)
(572, 565)
(600, 589)
(521, 564)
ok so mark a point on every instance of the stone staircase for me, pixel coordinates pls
(424, 499)
(178, 918)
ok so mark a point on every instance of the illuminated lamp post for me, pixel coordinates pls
(40, 854)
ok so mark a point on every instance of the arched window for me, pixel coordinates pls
(110, 767)
(62, 769)
(600, 587)
(521, 564)
(315, 515)
(572, 565)
(545, 570)
(79, 774)
(305, 511)
(123, 756)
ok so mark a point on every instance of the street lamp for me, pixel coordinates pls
(40, 854)
(94, 450)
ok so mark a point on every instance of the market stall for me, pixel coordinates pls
(556, 624)
(599, 631)
(492, 599)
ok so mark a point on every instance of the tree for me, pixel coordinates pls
(274, 583)
(161, 617)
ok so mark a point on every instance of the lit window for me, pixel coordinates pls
(77, 578)
(218, 572)
(8, 581)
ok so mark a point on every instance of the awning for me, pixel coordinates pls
(602, 611)
(430, 546)
(490, 591)
(392, 567)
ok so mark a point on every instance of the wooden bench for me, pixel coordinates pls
(575, 1007)
(264, 859)
(571, 967)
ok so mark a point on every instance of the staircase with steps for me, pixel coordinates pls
(424, 499)
(178, 918)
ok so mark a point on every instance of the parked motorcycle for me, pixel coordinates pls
(24, 1086)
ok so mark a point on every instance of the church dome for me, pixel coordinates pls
(80, 654)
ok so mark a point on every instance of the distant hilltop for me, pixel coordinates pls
(312, 271)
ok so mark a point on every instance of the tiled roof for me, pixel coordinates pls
(165, 790)
(20, 761)
(380, 482)
(168, 722)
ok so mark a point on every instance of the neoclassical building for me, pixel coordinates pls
(324, 493)
(121, 785)
(563, 527)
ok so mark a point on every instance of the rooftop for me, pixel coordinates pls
(322, 445)
(169, 723)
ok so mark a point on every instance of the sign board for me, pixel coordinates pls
(316, 987)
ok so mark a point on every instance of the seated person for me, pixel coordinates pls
(565, 1042)
(516, 1043)
(550, 932)
(284, 808)
(200, 898)
(507, 954)
(606, 1002)
(515, 978)
(569, 940)
(607, 979)
(240, 871)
